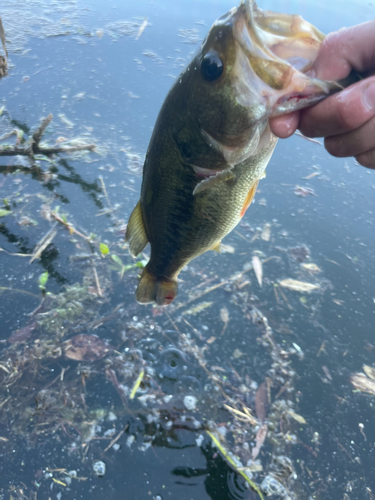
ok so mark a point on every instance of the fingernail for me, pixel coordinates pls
(369, 97)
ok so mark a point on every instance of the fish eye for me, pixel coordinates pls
(212, 66)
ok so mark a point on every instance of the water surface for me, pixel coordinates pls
(84, 61)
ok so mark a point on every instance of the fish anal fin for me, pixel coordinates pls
(249, 198)
(151, 289)
(135, 231)
(216, 247)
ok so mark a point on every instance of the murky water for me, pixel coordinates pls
(85, 64)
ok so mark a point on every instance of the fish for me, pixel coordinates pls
(212, 142)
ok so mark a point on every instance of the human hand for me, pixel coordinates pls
(346, 120)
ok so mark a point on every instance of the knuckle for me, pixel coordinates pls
(366, 159)
(343, 116)
(334, 146)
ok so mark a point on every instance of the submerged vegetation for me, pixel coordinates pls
(81, 341)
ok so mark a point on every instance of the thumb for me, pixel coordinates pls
(344, 50)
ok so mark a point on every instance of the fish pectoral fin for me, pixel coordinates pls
(136, 232)
(249, 198)
(216, 247)
(151, 289)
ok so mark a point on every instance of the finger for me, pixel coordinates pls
(353, 143)
(344, 50)
(284, 126)
(367, 159)
(341, 112)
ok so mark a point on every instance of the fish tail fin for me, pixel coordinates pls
(136, 232)
(151, 289)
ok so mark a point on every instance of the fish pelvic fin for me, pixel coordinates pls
(216, 247)
(151, 289)
(136, 232)
(249, 198)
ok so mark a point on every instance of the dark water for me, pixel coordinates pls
(111, 86)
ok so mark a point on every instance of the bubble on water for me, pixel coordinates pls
(271, 486)
(99, 468)
(171, 363)
(190, 402)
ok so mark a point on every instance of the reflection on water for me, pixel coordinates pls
(61, 415)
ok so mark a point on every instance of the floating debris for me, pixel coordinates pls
(197, 309)
(44, 242)
(137, 384)
(304, 191)
(65, 120)
(2, 38)
(142, 28)
(266, 232)
(311, 267)
(190, 36)
(218, 439)
(370, 371)
(363, 383)
(130, 27)
(224, 248)
(300, 253)
(86, 348)
(22, 334)
(224, 316)
(258, 269)
(299, 286)
(296, 417)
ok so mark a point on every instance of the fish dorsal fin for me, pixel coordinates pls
(135, 231)
(216, 247)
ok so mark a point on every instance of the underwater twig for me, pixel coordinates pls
(344, 450)
(105, 192)
(19, 291)
(137, 384)
(142, 28)
(200, 336)
(32, 147)
(228, 457)
(244, 417)
(68, 226)
(171, 320)
(114, 440)
(43, 243)
(97, 283)
(15, 254)
(308, 138)
(2, 37)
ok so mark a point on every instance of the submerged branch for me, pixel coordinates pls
(32, 147)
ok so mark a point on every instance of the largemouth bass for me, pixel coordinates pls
(212, 142)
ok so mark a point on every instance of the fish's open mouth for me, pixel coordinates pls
(280, 50)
